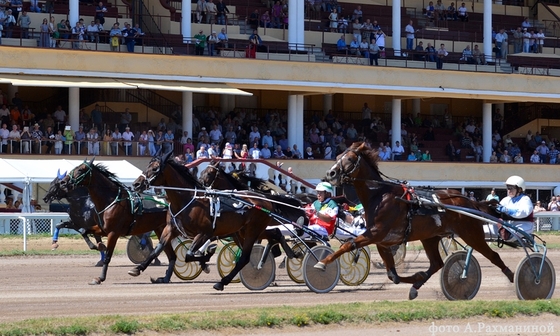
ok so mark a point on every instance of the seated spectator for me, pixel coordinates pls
(468, 55)
(506, 158)
(355, 47)
(341, 44)
(493, 157)
(478, 55)
(452, 12)
(398, 151)
(418, 155)
(462, 13)
(478, 150)
(552, 154)
(526, 23)
(308, 155)
(430, 10)
(535, 158)
(427, 156)
(411, 157)
(439, 8)
(364, 48)
(430, 53)
(384, 155)
(419, 54)
(328, 152)
(518, 158)
(453, 153)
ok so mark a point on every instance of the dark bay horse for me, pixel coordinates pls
(244, 213)
(82, 213)
(119, 215)
(390, 221)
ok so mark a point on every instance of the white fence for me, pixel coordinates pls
(30, 223)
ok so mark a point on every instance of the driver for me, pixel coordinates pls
(517, 205)
(323, 212)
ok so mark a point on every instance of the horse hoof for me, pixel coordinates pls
(95, 281)
(206, 269)
(101, 247)
(158, 280)
(218, 286)
(413, 294)
(321, 266)
(134, 272)
(99, 263)
(509, 274)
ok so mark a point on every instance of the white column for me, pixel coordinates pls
(2, 196)
(327, 103)
(415, 107)
(186, 20)
(486, 131)
(295, 121)
(487, 30)
(74, 13)
(296, 12)
(187, 122)
(396, 121)
(397, 27)
(74, 108)
(12, 89)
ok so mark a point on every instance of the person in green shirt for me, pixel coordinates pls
(427, 156)
(200, 43)
(69, 136)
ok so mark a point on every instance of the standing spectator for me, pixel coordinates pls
(212, 41)
(200, 43)
(49, 137)
(93, 142)
(441, 54)
(97, 118)
(526, 40)
(24, 22)
(211, 12)
(199, 11)
(221, 10)
(543, 151)
(152, 143)
(126, 119)
(168, 139)
(45, 39)
(127, 137)
(517, 41)
(9, 23)
(79, 136)
(69, 136)
(143, 143)
(129, 35)
(538, 207)
(333, 19)
(58, 139)
(277, 15)
(553, 205)
(107, 142)
(115, 37)
(540, 41)
(36, 137)
(222, 40)
(100, 11)
(117, 138)
(409, 29)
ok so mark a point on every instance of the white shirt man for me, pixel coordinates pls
(215, 135)
(398, 151)
(93, 144)
(255, 152)
(127, 136)
(59, 115)
(201, 153)
(4, 134)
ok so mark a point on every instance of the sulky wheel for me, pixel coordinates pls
(355, 266)
(254, 278)
(136, 252)
(454, 287)
(294, 266)
(185, 270)
(446, 247)
(527, 286)
(320, 281)
(227, 258)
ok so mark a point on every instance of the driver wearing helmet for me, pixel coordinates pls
(323, 212)
(517, 205)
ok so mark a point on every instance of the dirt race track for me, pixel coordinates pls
(57, 286)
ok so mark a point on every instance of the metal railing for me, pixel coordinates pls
(30, 223)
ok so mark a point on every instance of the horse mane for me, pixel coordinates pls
(256, 183)
(368, 154)
(185, 172)
(111, 176)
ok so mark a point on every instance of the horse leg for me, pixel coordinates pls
(351, 245)
(168, 249)
(436, 263)
(100, 246)
(482, 247)
(165, 238)
(389, 261)
(247, 247)
(111, 243)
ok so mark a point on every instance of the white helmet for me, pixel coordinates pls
(324, 186)
(516, 181)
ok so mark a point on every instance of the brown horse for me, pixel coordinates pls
(390, 218)
(118, 218)
(243, 213)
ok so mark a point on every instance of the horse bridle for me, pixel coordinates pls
(75, 180)
(215, 176)
(155, 174)
(345, 176)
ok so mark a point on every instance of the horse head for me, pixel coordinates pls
(352, 164)
(152, 172)
(55, 191)
(209, 175)
(78, 176)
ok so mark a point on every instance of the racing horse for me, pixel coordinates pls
(391, 220)
(214, 176)
(193, 214)
(81, 212)
(120, 215)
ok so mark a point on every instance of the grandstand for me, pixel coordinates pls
(298, 82)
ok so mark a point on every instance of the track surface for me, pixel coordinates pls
(57, 286)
